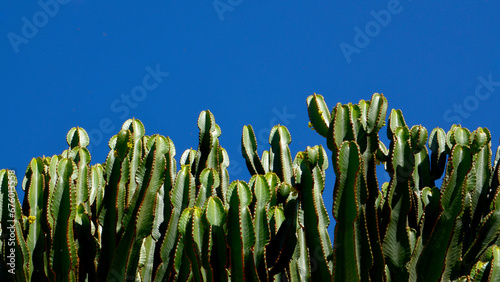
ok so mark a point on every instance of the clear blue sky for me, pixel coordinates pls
(68, 63)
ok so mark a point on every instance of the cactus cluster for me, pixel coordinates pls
(139, 216)
(409, 229)
(142, 216)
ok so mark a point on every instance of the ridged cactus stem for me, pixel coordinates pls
(34, 184)
(216, 250)
(261, 225)
(63, 253)
(345, 212)
(316, 220)
(180, 197)
(109, 212)
(396, 242)
(431, 260)
(138, 222)
(241, 236)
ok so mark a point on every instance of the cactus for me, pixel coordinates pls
(140, 216)
(415, 231)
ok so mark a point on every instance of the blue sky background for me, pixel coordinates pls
(67, 63)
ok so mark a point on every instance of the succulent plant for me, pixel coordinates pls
(143, 215)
